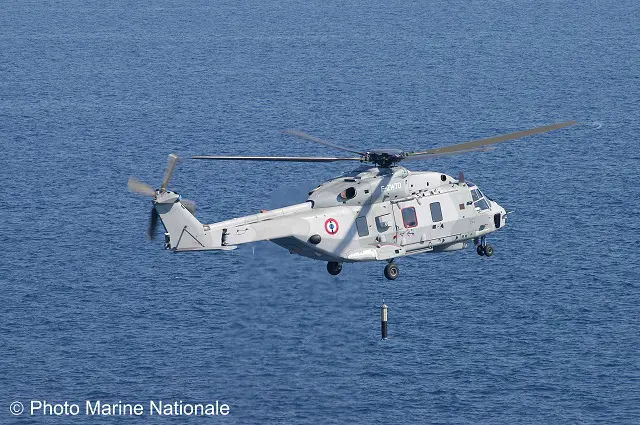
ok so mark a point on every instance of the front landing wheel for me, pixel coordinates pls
(480, 250)
(334, 268)
(391, 271)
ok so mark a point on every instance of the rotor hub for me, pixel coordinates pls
(384, 157)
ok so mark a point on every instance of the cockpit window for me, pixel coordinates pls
(482, 204)
(479, 200)
(348, 193)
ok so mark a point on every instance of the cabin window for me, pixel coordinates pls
(362, 226)
(475, 194)
(409, 217)
(348, 193)
(436, 212)
(383, 222)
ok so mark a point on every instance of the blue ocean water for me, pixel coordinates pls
(546, 331)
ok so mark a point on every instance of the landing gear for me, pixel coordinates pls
(334, 268)
(484, 248)
(391, 271)
(488, 250)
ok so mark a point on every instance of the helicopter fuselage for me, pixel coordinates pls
(368, 214)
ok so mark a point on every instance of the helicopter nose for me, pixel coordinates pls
(499, 216)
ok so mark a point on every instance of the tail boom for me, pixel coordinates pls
(185, 233)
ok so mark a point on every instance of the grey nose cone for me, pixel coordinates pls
(315, 239)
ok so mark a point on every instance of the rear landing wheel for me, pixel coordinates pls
(488, 250)
(334, 268)
(391, 272)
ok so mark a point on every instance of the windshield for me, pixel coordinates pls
(479, 200)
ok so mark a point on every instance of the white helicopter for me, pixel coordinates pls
(377, 212)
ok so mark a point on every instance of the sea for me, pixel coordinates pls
(547, 331)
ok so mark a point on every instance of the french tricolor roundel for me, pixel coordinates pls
(331, 226)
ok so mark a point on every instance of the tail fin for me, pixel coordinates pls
(184, 231)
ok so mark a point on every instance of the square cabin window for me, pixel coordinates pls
(383, 222)
(409, 217)
(436, 212)
(362, 226)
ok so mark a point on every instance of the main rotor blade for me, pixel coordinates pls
(137, 186)
(173, 160)
(469, 146)
(275, 158)
(415, 157)
(311, 138)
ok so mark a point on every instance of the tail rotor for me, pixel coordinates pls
(136, 186)
(153, 223)
(173, 161)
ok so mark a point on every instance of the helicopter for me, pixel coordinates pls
(380, 211)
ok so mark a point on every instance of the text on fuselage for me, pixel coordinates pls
(390, 187)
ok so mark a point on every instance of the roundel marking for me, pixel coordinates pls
(331, 226)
